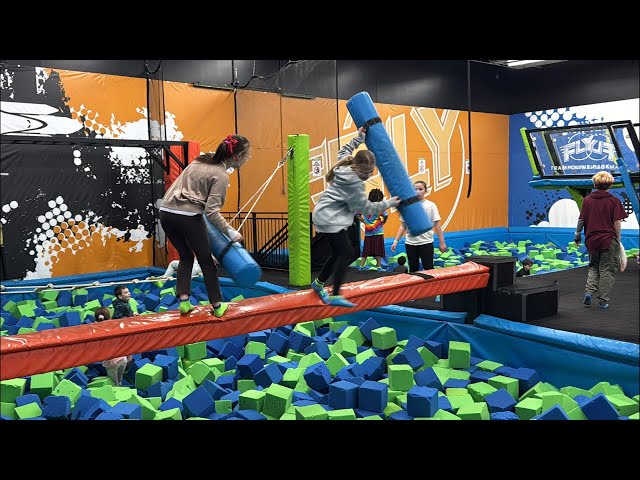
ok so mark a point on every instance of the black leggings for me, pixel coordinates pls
(422, 252)
(188, 233)
(341, 251)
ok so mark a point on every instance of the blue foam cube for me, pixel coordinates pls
(527, 378)
(444, 404)
(599, 408)
(409, 356)
(199, 403)
(400, 415)
(215, 346)
(372, 368)
(169, 366)
(373, 396)
(428, 378)
(27, 399)
(414, 342)
(76, 376)
(500, 401)
(249, 365)
(230, 349)
(56, 407)
(481, 376)
(422, 401)
(278, 343)
(268, 375)
(216, 391)
(170, 404)
(298, 341)
(436, 348)
(554, 413)
(318, 377)
(367, 326)
(258, 337)
(128, 410)
(456, 383)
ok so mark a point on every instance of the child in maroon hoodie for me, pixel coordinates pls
(601, 217)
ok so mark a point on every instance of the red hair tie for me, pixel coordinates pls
(231, 142)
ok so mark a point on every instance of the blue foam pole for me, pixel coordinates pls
(395, 176)
(237, 262)
(628, 186)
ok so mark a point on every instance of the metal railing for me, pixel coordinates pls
(266, 237)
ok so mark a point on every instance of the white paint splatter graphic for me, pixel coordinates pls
(71, 235)
(6, 82)
(41, 76)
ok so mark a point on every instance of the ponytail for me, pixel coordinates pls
(232, 145)
(342, 163)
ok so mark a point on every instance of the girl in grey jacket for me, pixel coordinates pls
(334, 212)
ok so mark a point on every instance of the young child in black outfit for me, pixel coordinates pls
(121, 306)
(401, 268)
(526, 268)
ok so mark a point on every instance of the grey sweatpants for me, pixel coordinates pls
(602, 269)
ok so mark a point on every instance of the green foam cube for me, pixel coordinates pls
(309, 360)
(511, 385)
(292, 376)
(106, 393)
(573, 392)
(66, 388)
(30, 410)
(391, 408)
(384, 338)
(429, 358)
(458, 401)
(238, 298)
(488, 365)
(214, 364)
(623, 404)
(43, 384)
(171, 414)
(286, 416)
(400, 399)
(277, 400)
(155, 401)
(223, 406)
(400, 377)
(257, 348)
(342, 414)
(346, 346)
(335, 326)
(362, 356)
(252, 400)
(336, 362)
(577, 414)
(48, 295)
(277, 359)
(245, 385)
(8, 410)
(459, 355)
(354, 334)
(452, 392)
(528, 408)
(200, 372)
(93, 305)
(474, 411)
(196, 351)
(549, 399)
(538, 388)
(371, 417)
(480, 390)
(308, 328)
(606, 388)
(148, 410)
(147, 375)
(442, 415)
(311, 412)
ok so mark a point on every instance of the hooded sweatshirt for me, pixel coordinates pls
(344, 196)
(599, 211)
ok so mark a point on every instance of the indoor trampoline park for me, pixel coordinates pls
(319, 240)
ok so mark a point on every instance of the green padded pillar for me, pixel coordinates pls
(299, 215)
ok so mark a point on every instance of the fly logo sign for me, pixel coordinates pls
(580, 148)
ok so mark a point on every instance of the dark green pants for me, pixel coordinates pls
(602, 270)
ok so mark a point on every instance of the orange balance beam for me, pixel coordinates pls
(60, 348)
